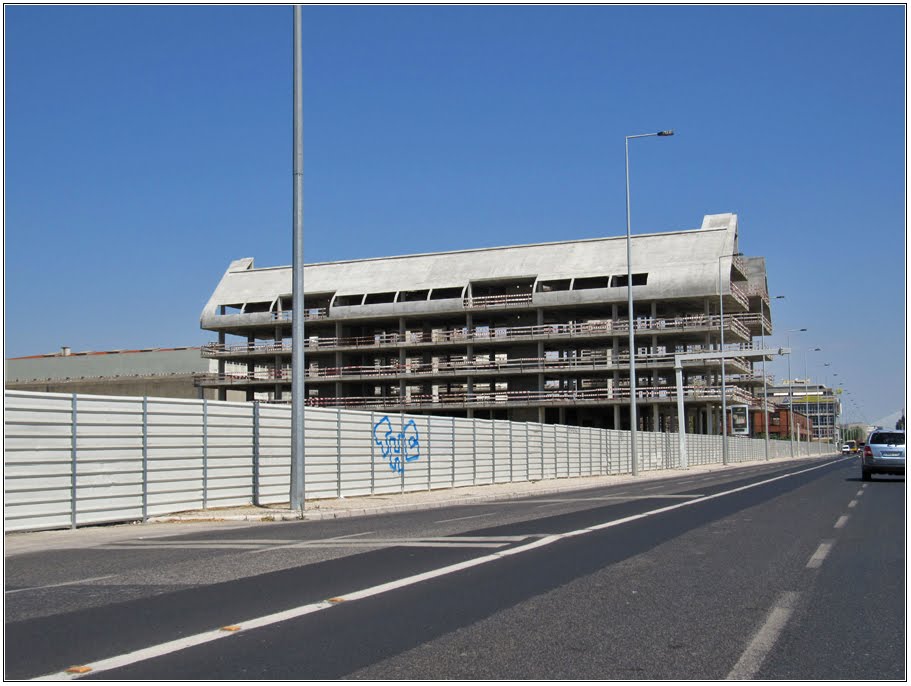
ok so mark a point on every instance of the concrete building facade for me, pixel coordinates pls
(530, 332)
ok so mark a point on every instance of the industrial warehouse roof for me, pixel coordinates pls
(67, 365)
(679, 264)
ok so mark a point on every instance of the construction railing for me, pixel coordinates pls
(733, 323)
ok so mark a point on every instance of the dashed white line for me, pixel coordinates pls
(764, 639)
(853, 503)
(820, 554)
(841, 522)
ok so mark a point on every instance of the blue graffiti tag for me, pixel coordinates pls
(398, 448)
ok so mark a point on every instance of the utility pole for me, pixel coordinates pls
(297, 286)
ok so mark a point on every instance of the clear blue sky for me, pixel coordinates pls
(147, 147)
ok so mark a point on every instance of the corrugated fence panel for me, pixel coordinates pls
(37, 461)
(502, 452)
(441, 448)
(175, 455)
(275, 454)
(463, 446)
(229, 454)
(109, 468)
(483, 450)
(321, 451)
(357, 464)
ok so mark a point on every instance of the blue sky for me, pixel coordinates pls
(147, 147)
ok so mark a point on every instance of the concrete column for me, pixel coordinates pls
(339, 361)
(469, 354)
(402, 355)
(277, 364)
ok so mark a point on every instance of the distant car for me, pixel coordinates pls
(848, 448)
(884, 453)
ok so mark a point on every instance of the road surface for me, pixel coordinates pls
(789, 570)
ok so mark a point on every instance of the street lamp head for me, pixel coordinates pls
(666, 133)
(778, 297)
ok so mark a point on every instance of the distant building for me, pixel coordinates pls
(154, 372)
(528, 332)
(813, 400)
(780, 419)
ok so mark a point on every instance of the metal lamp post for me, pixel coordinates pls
(629, 290)
(765, 387)
(297, 286)
(791, 393)
(724, 398)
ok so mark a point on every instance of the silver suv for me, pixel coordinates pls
(884, 453)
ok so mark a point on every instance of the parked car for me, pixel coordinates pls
(884, 453)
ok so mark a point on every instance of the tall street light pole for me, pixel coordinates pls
(724, 399)
(765, 387)
(791, 392)
(297, 279)
(629, 303)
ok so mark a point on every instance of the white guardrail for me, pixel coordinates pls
(72, 460)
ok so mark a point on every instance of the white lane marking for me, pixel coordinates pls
(764, 639)
(853, 503)
(821, 552)
(864, 486)
(459, 519)
(64, 583)
(297, 544)
(653, 496)
(257, 622)
(841, 521)
(860, 492)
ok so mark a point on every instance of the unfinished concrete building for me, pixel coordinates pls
(526, 333)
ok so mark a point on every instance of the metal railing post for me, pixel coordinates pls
(493, 452)
(145, 458)
(205, 453)
(401, 464)
(453, 449)
(256, 453)
(474, 451)
(429, 470)
(338, 450)
(527, 455)
(372, 454)
(74, 425)
(512, 455)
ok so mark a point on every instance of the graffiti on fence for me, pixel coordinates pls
(398, 447)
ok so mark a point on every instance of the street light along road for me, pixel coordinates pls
(629, 290)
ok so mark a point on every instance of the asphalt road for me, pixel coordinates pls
(784, 571)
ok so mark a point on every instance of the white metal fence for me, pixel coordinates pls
(71, 460)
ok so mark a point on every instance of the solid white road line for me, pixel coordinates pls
(764, 639)
(821, 552)
(258, 622)
(64, 583)
(459, 519)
